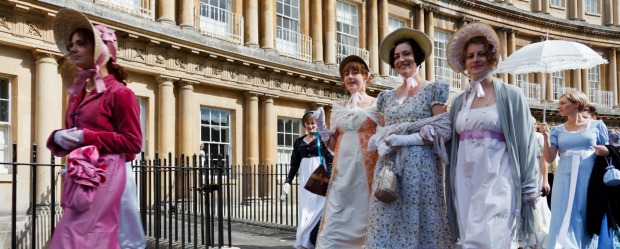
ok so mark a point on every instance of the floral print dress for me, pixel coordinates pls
(417, 218)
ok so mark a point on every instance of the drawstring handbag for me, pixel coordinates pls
(319, 179)
(387, 182)
(612, 175)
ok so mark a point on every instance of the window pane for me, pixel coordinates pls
(204, 116)
(215, 134)
(281, 125)
(296, 127)
(4, 89)
(215, 117)
(288, 140)
(204, 134)
(287, 126)
(281, 139)
(225, 134)
(224, 118)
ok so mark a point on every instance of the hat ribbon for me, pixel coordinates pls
(411, 84)
(109, 37)
(474, 88)
(83, 75)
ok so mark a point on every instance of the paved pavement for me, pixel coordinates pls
(258, 237)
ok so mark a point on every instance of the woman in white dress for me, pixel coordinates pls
(493, 164)
(305, 159)
(353, 122)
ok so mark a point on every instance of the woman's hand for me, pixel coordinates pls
(601, 150)
(546, 188)
(544, 130)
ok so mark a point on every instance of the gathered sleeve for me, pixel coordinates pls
(441, 92)
(381, 100)
(553, 137)
(602, 138)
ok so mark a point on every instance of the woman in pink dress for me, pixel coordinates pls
(103, 133)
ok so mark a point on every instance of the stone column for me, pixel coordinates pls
(420, 25)
(545, 6)
(251, 128)
(575, 76)
(572, 9)
(503, 39)
(612, 73)
(575, 79)
(166, 120)
(512, 47)
(384, 30)
(186, 14)
(251, 22)
(330, 32)
(48, 117)
(430, 31)
(373, 36)
(189, 146)
(581, 9)
(267, 25)
(317, 31)
(549, 90)
(616, 12)
(538, 77)
(166, 10)
(536, 5)
(585, 83)
(608, 12)
(304, 12)
(268, 143)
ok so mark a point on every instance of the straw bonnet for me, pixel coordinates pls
(68, 20)
(351, 58)
(404, 33)
(456, 46)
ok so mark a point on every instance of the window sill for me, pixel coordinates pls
(6, 178)
(593, 14)
(558, 7)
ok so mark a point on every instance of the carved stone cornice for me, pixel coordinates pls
(252, 94)
(166, 79)
(42, 54)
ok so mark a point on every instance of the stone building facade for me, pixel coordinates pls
(238, 75)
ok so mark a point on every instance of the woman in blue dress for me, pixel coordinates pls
(575, 142)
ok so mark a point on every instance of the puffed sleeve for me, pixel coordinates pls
(295, 161)
(441, 91)
(553, 137)
(603, 136)
(381, 100)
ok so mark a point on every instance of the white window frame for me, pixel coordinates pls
(592, 6)
(223, 146)
(347, 28)
(217, 18)
(558, 82)
(143, 111)
(287, 39)
(594, 84)
(442, 69)
(393, 24)
(556, 3)
(285, 147)
(5, 127)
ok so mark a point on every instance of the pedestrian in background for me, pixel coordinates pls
(103, 135)
(576, 143)
(309, 152)
(492, 175)
(417, 218)
(353, 122)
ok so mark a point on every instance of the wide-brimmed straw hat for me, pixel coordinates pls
(351, 58)
(68, 20)
(456, 46)
(404, 33)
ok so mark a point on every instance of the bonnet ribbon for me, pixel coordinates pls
(109, 38)
(474, 88)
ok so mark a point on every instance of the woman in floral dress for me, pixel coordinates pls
(417, 218)
(345, 217)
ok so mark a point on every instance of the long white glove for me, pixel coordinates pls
(404, 140)
(78, 134)
(285, 189)
(66, 140)
(321, 126)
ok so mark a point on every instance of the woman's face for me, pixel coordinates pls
(355, 81)
(566, 107)
(404, 61)
(81, 51)
(476, 61)
(310, 124)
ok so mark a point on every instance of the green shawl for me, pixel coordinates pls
(514, 114)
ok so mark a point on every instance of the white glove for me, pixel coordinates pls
(79, 135)
(404, 140)
(285, 189)
(66, 140)
(321, 126)
(384, 149)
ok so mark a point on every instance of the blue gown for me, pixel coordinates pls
(565, 141)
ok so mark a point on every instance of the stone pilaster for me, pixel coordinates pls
(166, 10)
(503, 39)
(317, 31)
(430, 31)
(612, 73)
(166, 120)
(251, 128)
(512, 47)
(384, 30)
(572, 9)
(575, 79)
(267, 24)
(186, 14)
(373, 36)
(251, 23)
(585, 83)
(608, 12)
(536, 5)
(268, 129)
(545, 6)
(48, 115)
(616, 12)
(188, 142)
(330, 32)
